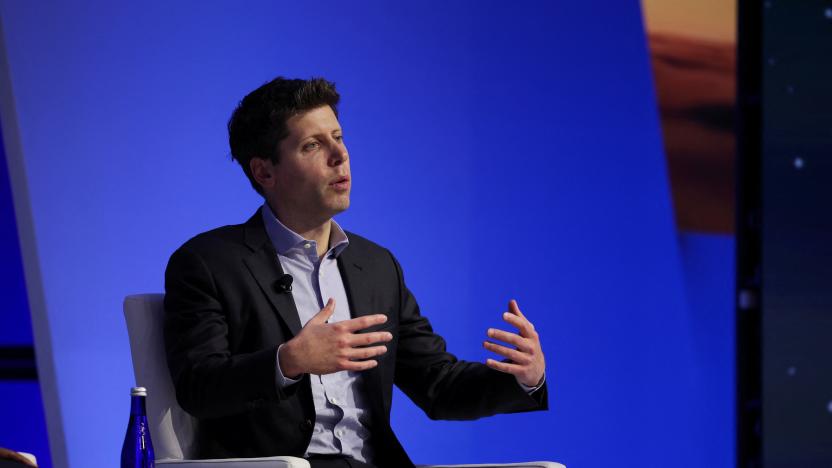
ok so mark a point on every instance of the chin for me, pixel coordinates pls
(339, 207)
(342, 207)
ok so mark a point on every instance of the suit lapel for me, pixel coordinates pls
(355, 283)
(266, 270)
(359, 288)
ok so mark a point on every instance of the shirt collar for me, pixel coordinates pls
(286, 240)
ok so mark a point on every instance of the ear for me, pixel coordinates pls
(263, 171)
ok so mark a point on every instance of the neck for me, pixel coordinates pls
(317, 230)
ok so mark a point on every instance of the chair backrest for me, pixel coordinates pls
(172, 430)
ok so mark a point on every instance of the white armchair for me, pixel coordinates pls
(173, 429)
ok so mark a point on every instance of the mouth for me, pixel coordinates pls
(340, 183)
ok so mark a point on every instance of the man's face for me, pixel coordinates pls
(313, 169)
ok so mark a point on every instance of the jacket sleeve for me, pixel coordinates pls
(209, 380)
(443, 386)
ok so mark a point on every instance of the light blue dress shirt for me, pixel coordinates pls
(340, 412)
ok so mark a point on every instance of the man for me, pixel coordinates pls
(286, 334)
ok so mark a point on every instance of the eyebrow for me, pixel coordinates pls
(314, 135)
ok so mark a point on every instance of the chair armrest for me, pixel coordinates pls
(29, 457)
(535, 464)
(264, 462)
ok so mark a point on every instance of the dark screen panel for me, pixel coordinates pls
(796, 326)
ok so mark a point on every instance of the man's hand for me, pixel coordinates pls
(525, 360)
(323, 348)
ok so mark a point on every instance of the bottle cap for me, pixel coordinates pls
(138, 391)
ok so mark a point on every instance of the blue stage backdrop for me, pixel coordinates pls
(500, 151)
(22, 425)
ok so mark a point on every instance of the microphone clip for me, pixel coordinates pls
(284, 284)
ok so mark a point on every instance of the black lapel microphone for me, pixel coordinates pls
(284, 283)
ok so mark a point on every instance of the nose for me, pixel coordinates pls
(338, 154)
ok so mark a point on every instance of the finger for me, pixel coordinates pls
(325, 313)
(506, 367)
(364, 339)
(514, 308)
(511, 338)
(354, 354)
(526, 328)
(361, 323)
(357, 366)
(516, 356)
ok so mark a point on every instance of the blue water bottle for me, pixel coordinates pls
(137, 451)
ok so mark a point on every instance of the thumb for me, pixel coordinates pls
(325, 313)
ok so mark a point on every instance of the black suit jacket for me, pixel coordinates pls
(225, 318)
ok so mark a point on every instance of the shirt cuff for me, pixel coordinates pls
(281, 380)
(529, 390)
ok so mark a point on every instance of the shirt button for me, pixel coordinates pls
(334, 401)
(339, 433)
(307, 245)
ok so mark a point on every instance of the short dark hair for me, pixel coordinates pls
(258, 124)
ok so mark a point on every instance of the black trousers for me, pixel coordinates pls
(336, 461)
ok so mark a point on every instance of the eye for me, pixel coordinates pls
(311, 146)
(338, 138)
